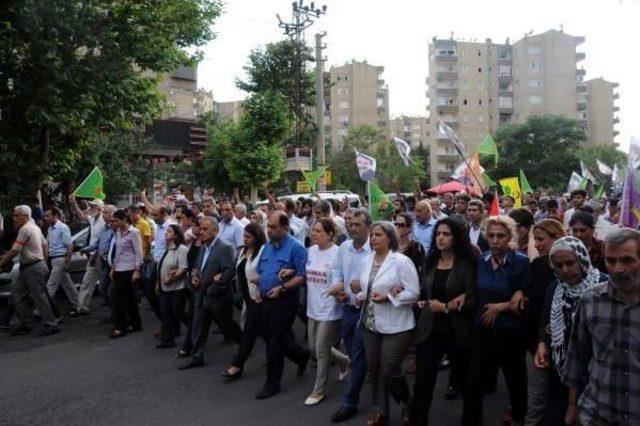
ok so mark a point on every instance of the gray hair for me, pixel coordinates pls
(391, 232)
(621, 236)
(110, 208)
(23, 210)
(478, 203)
(368, 220)
(241, 208)
(323, 205)
(213, 221)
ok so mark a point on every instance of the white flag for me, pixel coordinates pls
(574, 182)
(616, 176)
(634, 152)
(403, 150)
(366, 166)
(460, 172)
(451, 135)
(603, 168)
(586, 173)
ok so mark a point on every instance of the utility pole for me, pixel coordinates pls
(321, 159)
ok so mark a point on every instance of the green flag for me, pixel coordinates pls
(599, 192)
(488, 147)
(584, 183)
(524, 184)
(380, 205)
(91, 187)
(312, 177)
(487, 180)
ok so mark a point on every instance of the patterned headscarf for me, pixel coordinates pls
(566, 297)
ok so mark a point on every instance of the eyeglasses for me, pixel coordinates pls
(400, 225)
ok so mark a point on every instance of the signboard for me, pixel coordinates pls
(298, 159)
(302, 187)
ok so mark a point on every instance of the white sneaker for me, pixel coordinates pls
(311, 400)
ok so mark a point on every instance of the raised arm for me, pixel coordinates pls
(76, 209)
(147, 204)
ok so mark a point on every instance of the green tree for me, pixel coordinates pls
(281, 67)
(545, 147)
(255, 150)
(72, 69)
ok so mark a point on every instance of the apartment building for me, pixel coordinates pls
(229, 111)
(475, 87)
(598, 111)
(413, 130)
(357, 96)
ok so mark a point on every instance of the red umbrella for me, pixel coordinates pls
(454, 186)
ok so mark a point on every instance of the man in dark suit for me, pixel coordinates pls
(213, 297)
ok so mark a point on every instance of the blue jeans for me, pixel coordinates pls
(352, 336)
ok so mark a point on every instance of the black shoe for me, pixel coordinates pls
(182, 354)
(78, 313)
(20, 330)
(165, 345)
(451, 393)
(193, 364)
(344, 414)
(303, 367)
(444, 364)
(266, 392)
(231, 377)
(48, 331)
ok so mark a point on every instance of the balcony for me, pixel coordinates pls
(447, 104)
(616, 96)
(579, 40)
(446, 74)
(581, 86)
(616, 120)
(448, 157)
(447, 89)
(580, 56)
(443, 175)
(505, 80)
(446, 56)
(614, 85)
(615, 133)
(582, 104)
(581, 72)
(616, 108)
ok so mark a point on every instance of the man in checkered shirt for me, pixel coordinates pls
(603, 362)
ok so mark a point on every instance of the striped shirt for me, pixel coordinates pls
(604, 358)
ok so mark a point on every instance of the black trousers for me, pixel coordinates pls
(277, 320)
(428, 357)
(252, 328)
(172, 310)
(508, 349)
(202, 319)
(125, 307)
(148, 286)
(187, 345)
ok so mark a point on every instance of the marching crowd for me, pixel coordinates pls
(452, 277)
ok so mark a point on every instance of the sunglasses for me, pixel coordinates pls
(400, 225)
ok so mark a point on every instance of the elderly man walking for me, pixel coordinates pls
(32, 248)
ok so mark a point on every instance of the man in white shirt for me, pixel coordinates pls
(298, 226)
(231, 230)
(578, 197)
(240, 212)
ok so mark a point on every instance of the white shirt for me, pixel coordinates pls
(97, 226)
(232, 233)
(567, 217)
(349, 265)
(474, 234)
(298, 227)
(321, 306)
(244, 221)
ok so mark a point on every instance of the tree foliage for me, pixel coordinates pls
(608, 154)
(545, 147)
(72, 69)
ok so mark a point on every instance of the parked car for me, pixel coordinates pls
(340, 195)
(76, 269)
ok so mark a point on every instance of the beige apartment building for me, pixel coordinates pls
(475, 87)
(185, 101)
(599, 111)
(357, 96)
(413, 130)
(229, 111)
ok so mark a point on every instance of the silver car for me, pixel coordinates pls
(76, 269)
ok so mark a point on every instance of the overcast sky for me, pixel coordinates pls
(395, 34)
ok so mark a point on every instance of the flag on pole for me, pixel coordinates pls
(380, 206)
(460, 172)
(511, 186)
(495, 207)
(403, 150)
(524, 184)
(630, 213)
(451, 135)
(366, 166)
(598, 194)
(475, 172)
(584, 183)
(634, 152)
(488, 147)
(616, 176)
(603, 168)
(586, 173)
(574, 182)
(91, 186)
(488, 181)
(311, 177)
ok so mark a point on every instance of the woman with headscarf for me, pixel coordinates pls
(570, 260)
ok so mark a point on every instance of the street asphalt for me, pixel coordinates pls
(80, 377)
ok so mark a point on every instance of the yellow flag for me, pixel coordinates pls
(511, 186)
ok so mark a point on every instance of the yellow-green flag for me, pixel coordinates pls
(524, 184)
(380, 206)
(511, 186)
(91, 187)
(311, 177)
(488, 147)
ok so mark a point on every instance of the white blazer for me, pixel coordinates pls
(397, 269)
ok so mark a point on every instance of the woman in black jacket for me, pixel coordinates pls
(445, 320)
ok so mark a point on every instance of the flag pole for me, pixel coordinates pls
(469, 168)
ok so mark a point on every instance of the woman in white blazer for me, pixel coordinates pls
(389, 285)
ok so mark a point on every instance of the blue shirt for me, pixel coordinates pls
(349, 265)
(424, 233)
(205, 255)
(499, 285)
(58, 239)
(159, 243)
(289, 255)
(232, 233)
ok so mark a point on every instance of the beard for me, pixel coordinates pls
(626, 282)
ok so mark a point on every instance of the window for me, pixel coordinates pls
(535, 82)
(448, 150)
(479, 53)
(465, 84)
(480, 86)
(342, 78)
(343, 104)
(450, 167)
(344, 118)
(464, 53)
(465, 134)
(464, 101)
(343, 90)
(465, 69)
(343, 132)
(465, 118)
(504, 71)
(481, 118)
(535, 49)
(380, 102)
(535, 100)
(479, 69)
(479, 101)
(535, 65)
(506, 102)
